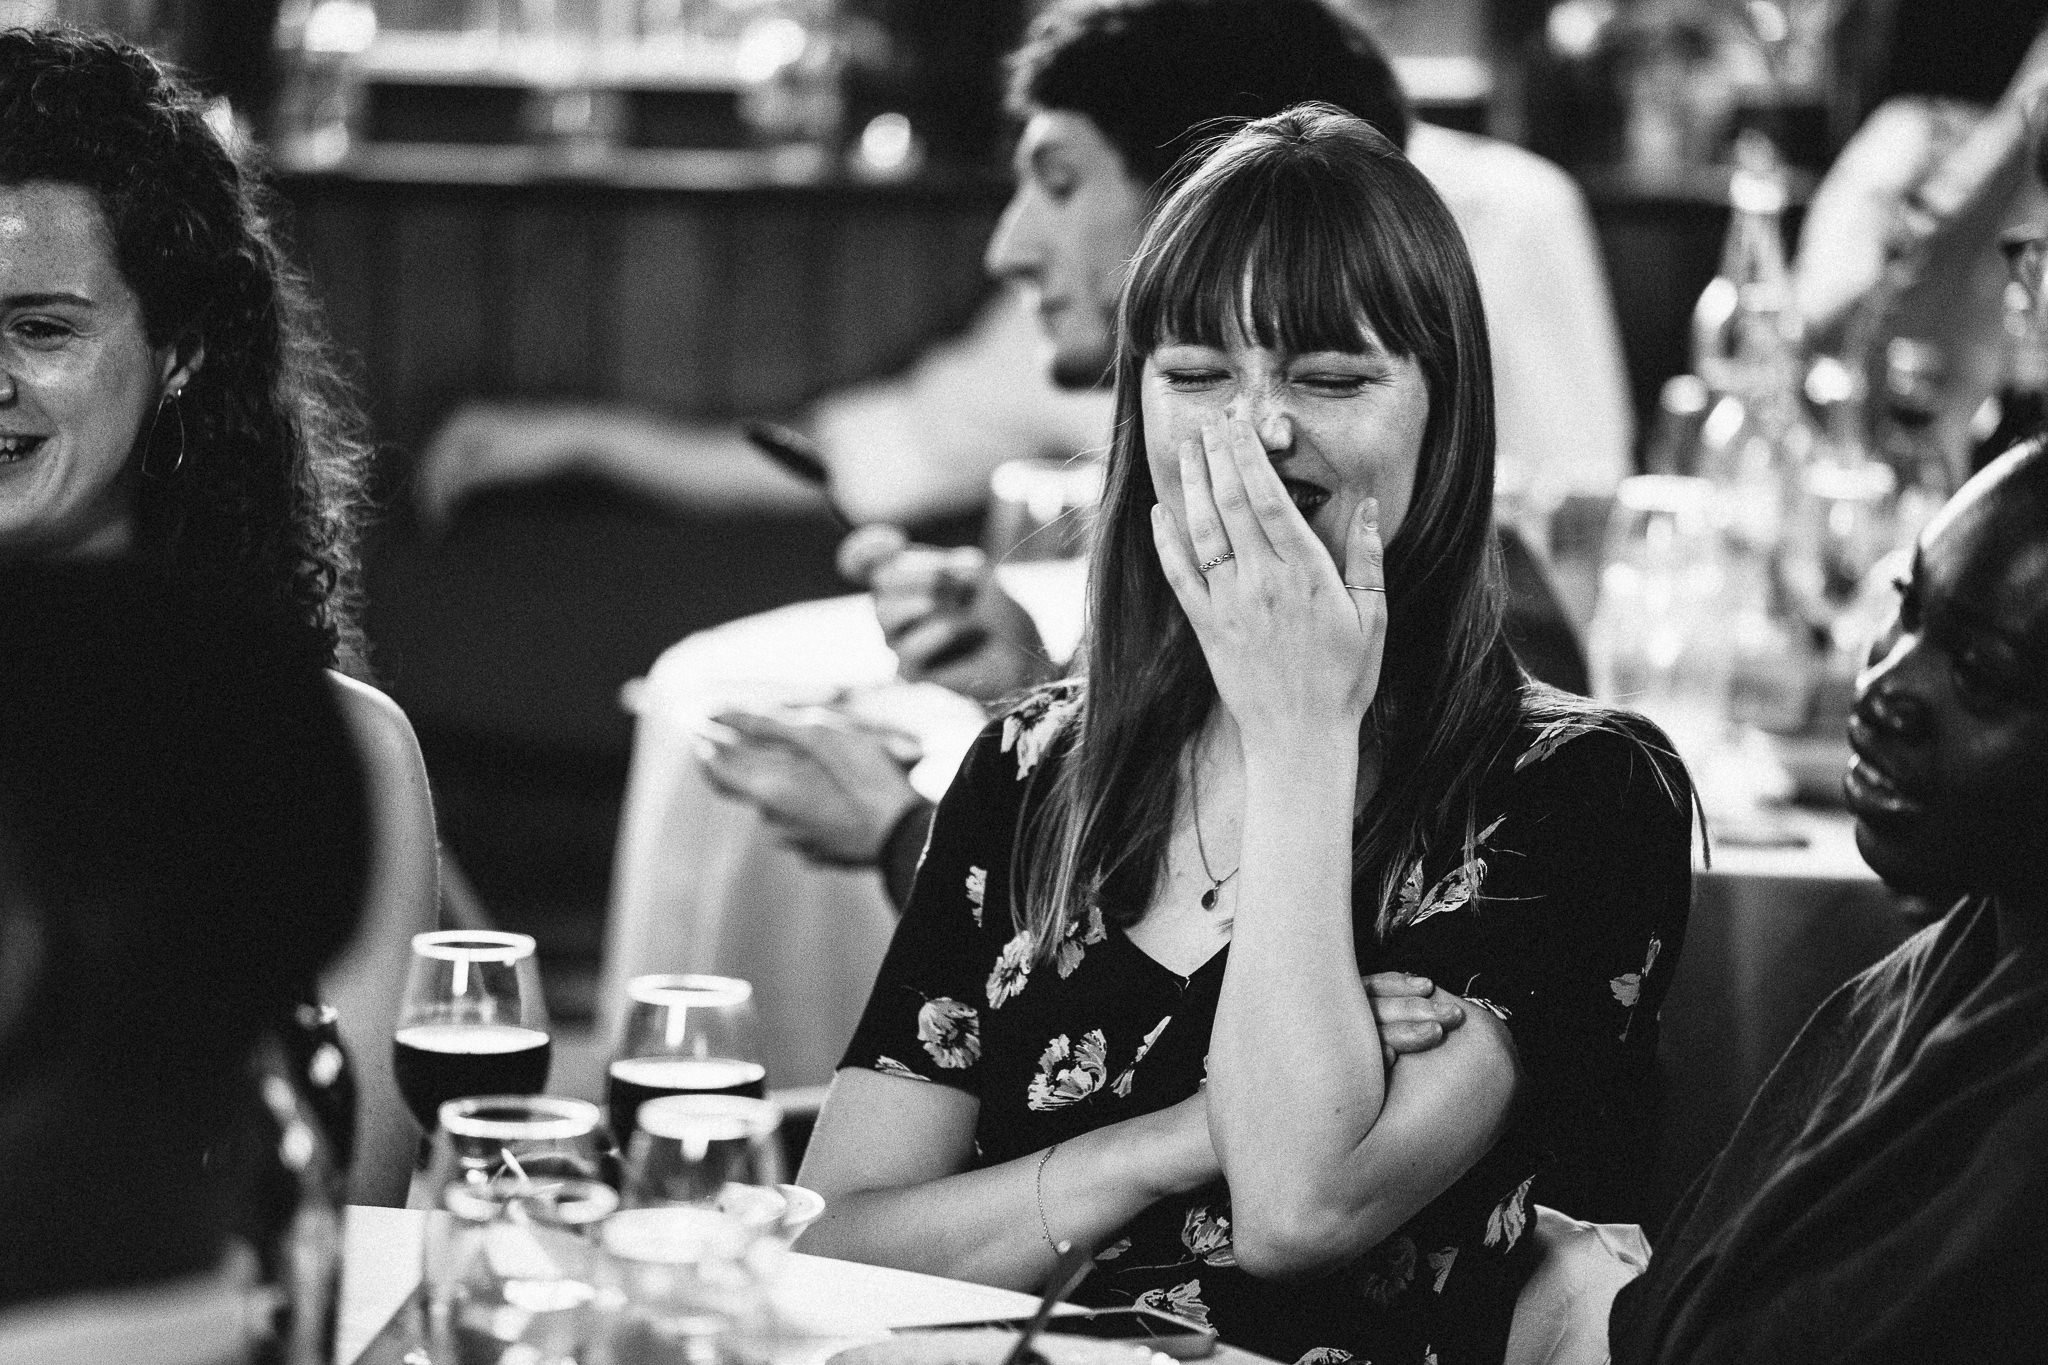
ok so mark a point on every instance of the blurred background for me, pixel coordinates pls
(716, 209)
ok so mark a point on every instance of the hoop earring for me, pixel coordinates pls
(149, 442)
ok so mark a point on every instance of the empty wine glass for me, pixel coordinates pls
(683, 1035)
(510, 1262)
(714, 1151)
(472, 1022)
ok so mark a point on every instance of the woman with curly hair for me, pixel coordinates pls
(1126, 1006)
(165, 396)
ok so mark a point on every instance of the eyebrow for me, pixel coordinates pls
(44, 300)
(1971, 618)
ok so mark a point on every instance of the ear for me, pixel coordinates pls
(178, 362)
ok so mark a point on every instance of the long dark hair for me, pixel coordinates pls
(1335, 232)
(263, 507)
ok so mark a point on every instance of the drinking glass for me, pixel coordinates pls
(511, 1261)
(710, 1151)
(472, 1022)
(683, 1035)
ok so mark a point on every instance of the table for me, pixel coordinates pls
(842, 1303)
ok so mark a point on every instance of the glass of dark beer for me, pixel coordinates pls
(472, 1022)
(683, 1035)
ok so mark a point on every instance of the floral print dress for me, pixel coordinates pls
(1565, 922)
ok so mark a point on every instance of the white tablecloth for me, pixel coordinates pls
(839, 1302)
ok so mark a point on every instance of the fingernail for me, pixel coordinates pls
(1372, 513)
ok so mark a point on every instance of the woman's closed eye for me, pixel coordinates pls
(41, 332)
(1192, 379)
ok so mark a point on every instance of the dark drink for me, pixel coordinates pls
(434, 1063)
(636, 1080)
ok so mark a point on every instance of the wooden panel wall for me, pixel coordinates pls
(695, 303)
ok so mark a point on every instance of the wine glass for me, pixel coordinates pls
(683, 1035)
(518, 1192)
(472, 1022)
(715, 1151)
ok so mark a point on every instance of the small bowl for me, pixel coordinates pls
(800, 1209)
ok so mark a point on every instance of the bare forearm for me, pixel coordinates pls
(986, 1225)
(1292, 991)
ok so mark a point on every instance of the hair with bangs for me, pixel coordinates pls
(1310, 231)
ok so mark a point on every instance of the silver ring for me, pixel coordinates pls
(1362, 587)
(1204, 568)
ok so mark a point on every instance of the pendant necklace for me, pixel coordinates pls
(1215, 882)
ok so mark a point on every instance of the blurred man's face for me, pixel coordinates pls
(1066, 236)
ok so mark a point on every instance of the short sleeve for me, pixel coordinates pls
(1575, 915)
(924, 1016)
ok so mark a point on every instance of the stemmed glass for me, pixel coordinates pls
(472, 1023)
(692, 1250)
(511, 1261)
(683, 1035)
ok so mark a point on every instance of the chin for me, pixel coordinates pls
(1075, 367)
(1903, 866)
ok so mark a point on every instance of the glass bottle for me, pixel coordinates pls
(1909, 438)
(292, 1198)
(2018, 408)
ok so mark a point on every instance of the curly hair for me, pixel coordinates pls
(263, 506)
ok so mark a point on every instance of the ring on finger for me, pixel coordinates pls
(1209, 564)
(1363, 587)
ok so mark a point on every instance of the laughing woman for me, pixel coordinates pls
(1125, 1005)
(164, 397)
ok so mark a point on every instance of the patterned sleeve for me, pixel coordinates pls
(1569, 928)
(923, 1017)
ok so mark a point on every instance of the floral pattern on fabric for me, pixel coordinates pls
(1122, 1085)
(1183, 1300)
(1073, 944)
(1069, 1072)
(1506, 1221)
(977, 891)
(1580, 859)
(1012, 970)
(950, 1032)
(1326, 1355)
(1206, 1235)
(1033, 725)
(1389, 1270)
(889, 1066)
(1628, 987)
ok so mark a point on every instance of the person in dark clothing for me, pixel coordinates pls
(1124, 1007)
(1883, 1197)
(183, 844)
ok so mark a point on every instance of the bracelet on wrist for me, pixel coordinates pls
(1045, 1227)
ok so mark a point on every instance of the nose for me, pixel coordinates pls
(1885, 697)
(8, 389)
(1014, 251)
(1267, 414)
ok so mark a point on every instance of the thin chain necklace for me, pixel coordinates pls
(1195, 804)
